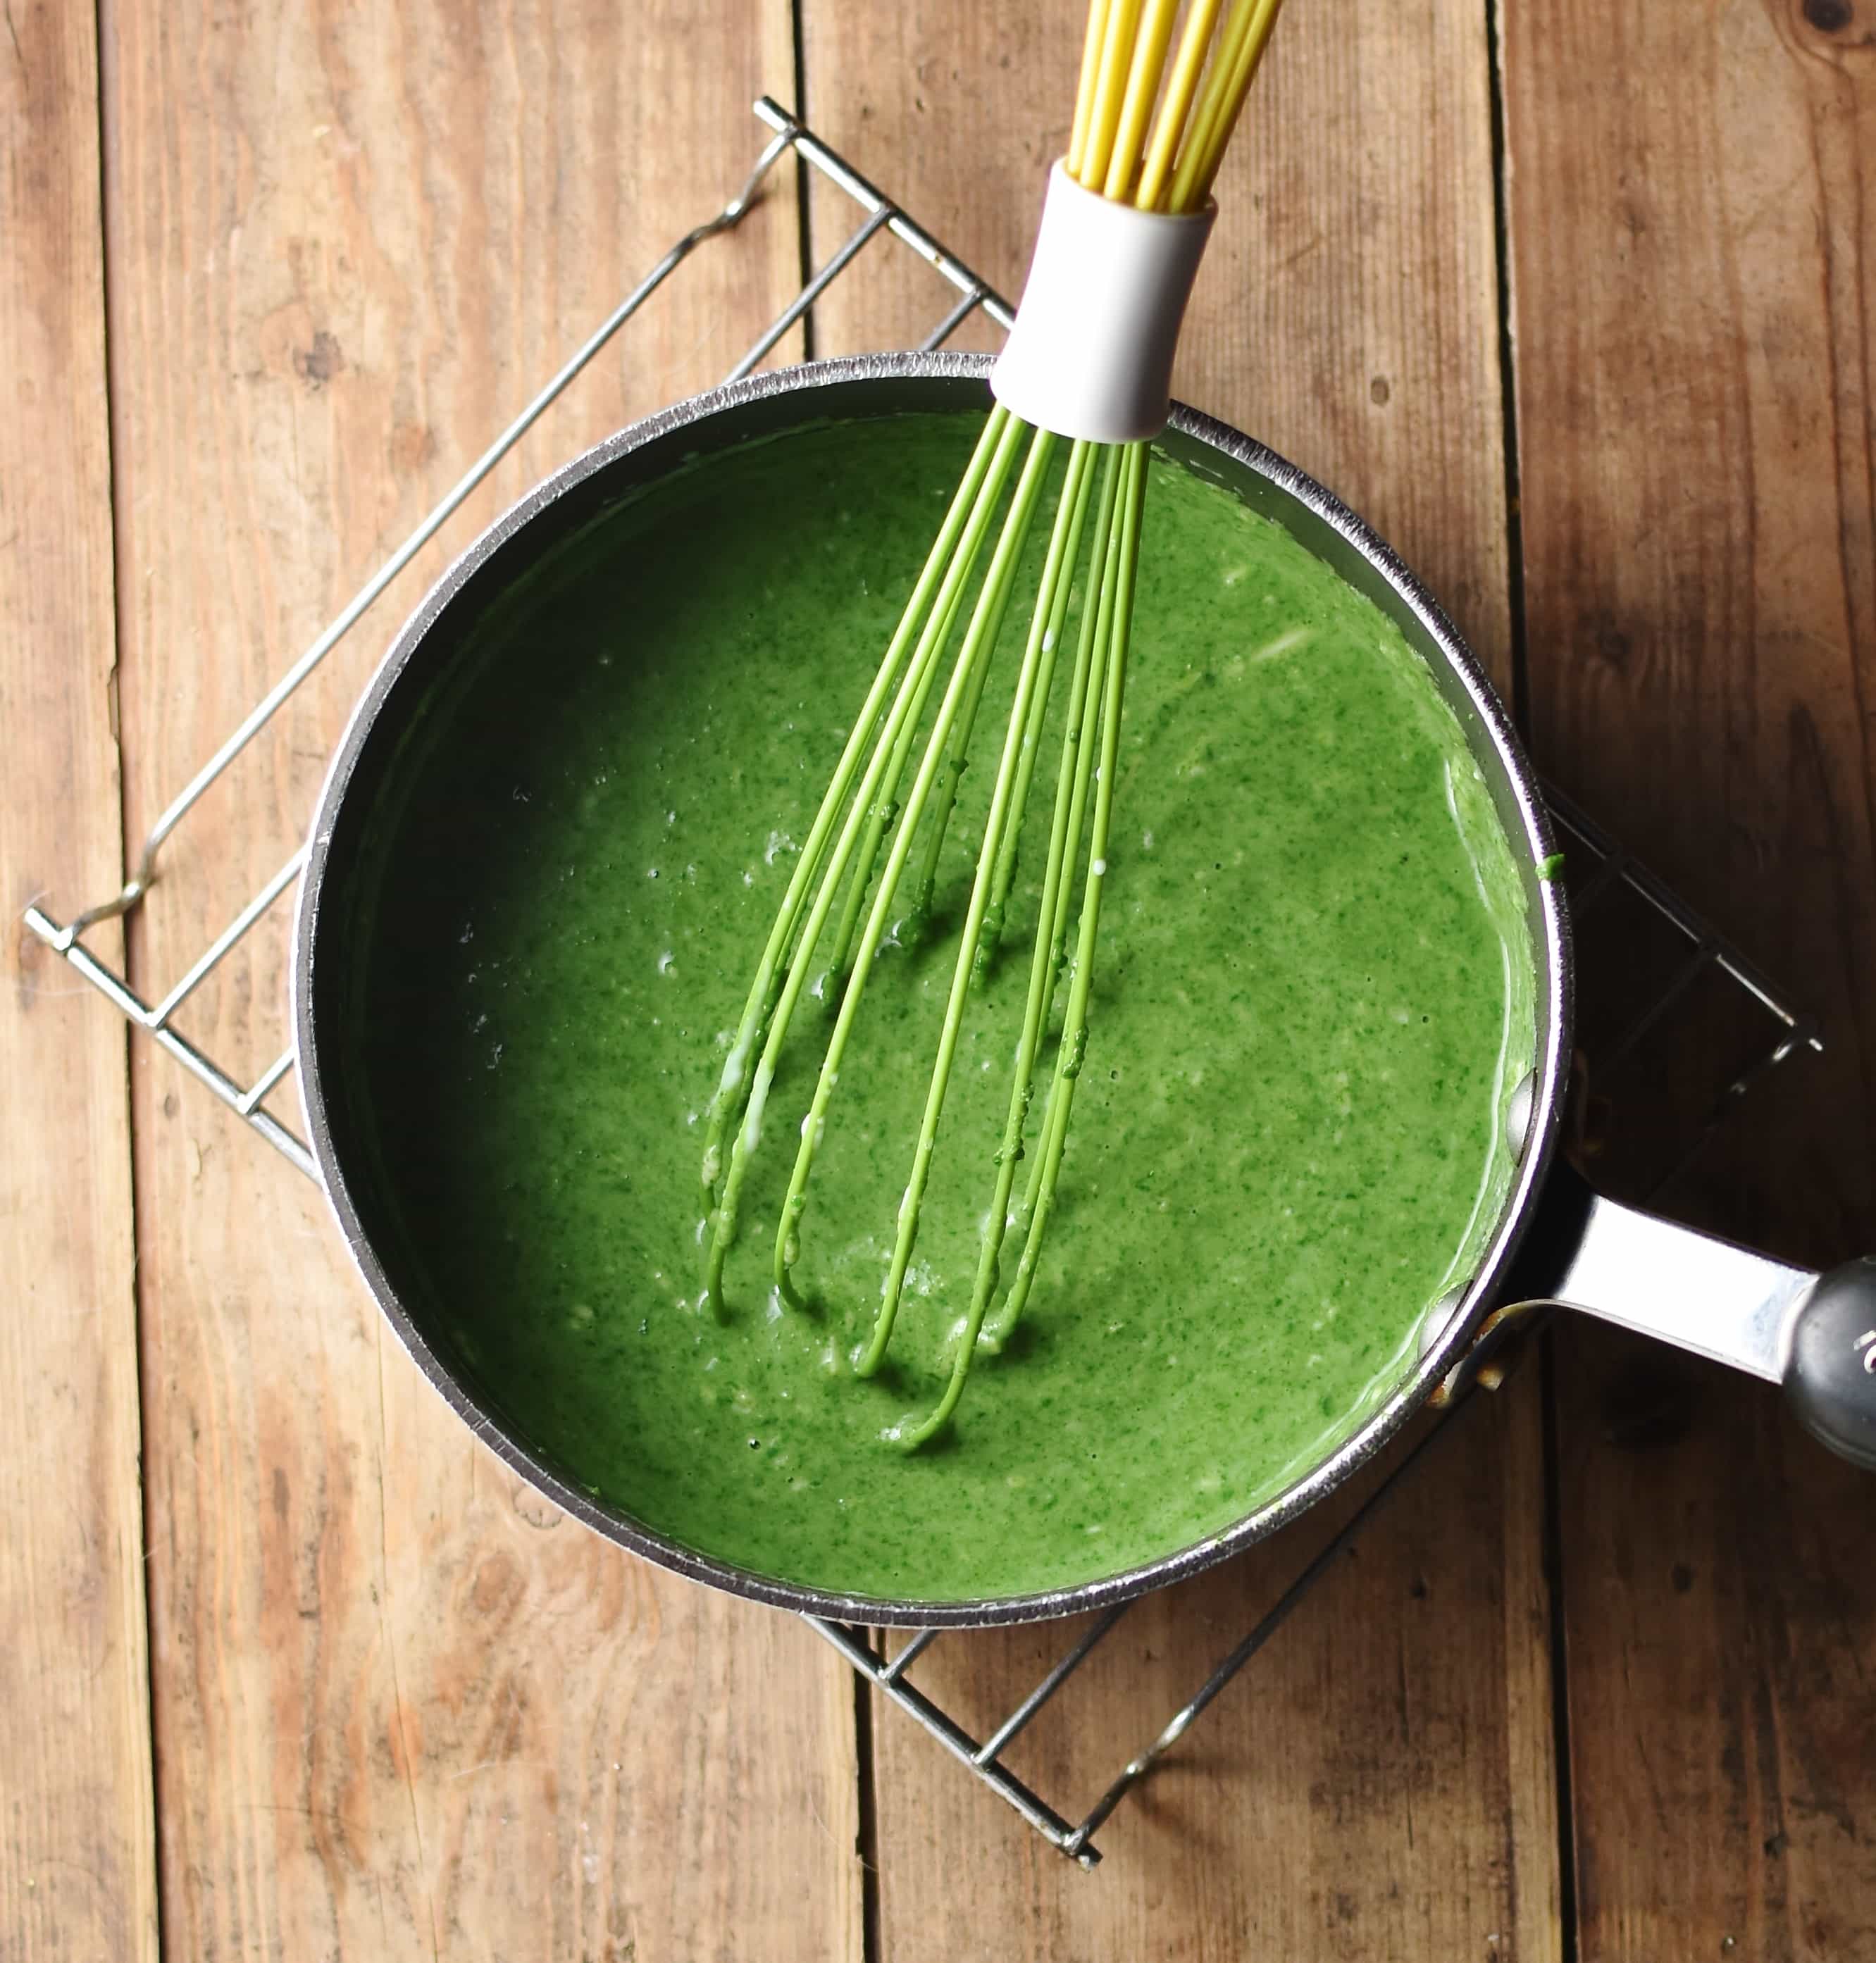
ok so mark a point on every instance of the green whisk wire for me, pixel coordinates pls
(1074, 1041)
(979, 639)
(1005, 871)
(1033, 682)
(1118, 548)
(973, 508)
(761, 1003)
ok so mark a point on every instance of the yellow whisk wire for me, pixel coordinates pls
(1166, 160)
(1156, 172)
(1205, 110)
(1143, 86)
(1234, 67)
(1116, 60)
(1089, 83)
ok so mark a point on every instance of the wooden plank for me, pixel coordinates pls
(1377, 1781)
(401, 1706)
(1382, 1782)
(78, 1861)
(1693, 227)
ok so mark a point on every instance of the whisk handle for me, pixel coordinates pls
(1091, 355)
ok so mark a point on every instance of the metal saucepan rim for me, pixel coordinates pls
(1550, 932)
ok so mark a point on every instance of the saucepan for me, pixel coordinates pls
(1556, 1242)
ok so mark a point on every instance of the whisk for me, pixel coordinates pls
(1087, 362)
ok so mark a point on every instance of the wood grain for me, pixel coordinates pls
(1381, 1782)
(78, 1865)
(1378, 1782)
(1693, 229)
(402, 1707)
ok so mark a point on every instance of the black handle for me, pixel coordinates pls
(1830, 1375)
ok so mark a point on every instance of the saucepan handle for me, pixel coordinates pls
(1816, 1334)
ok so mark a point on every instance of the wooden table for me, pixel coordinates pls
(1577, 299)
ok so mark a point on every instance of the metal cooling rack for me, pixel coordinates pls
(1601, 873)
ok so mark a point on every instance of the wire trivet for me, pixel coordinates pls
(1601, 875)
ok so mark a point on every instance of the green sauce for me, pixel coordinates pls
(1311, 1004)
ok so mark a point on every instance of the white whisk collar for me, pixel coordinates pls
(1091, 355)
